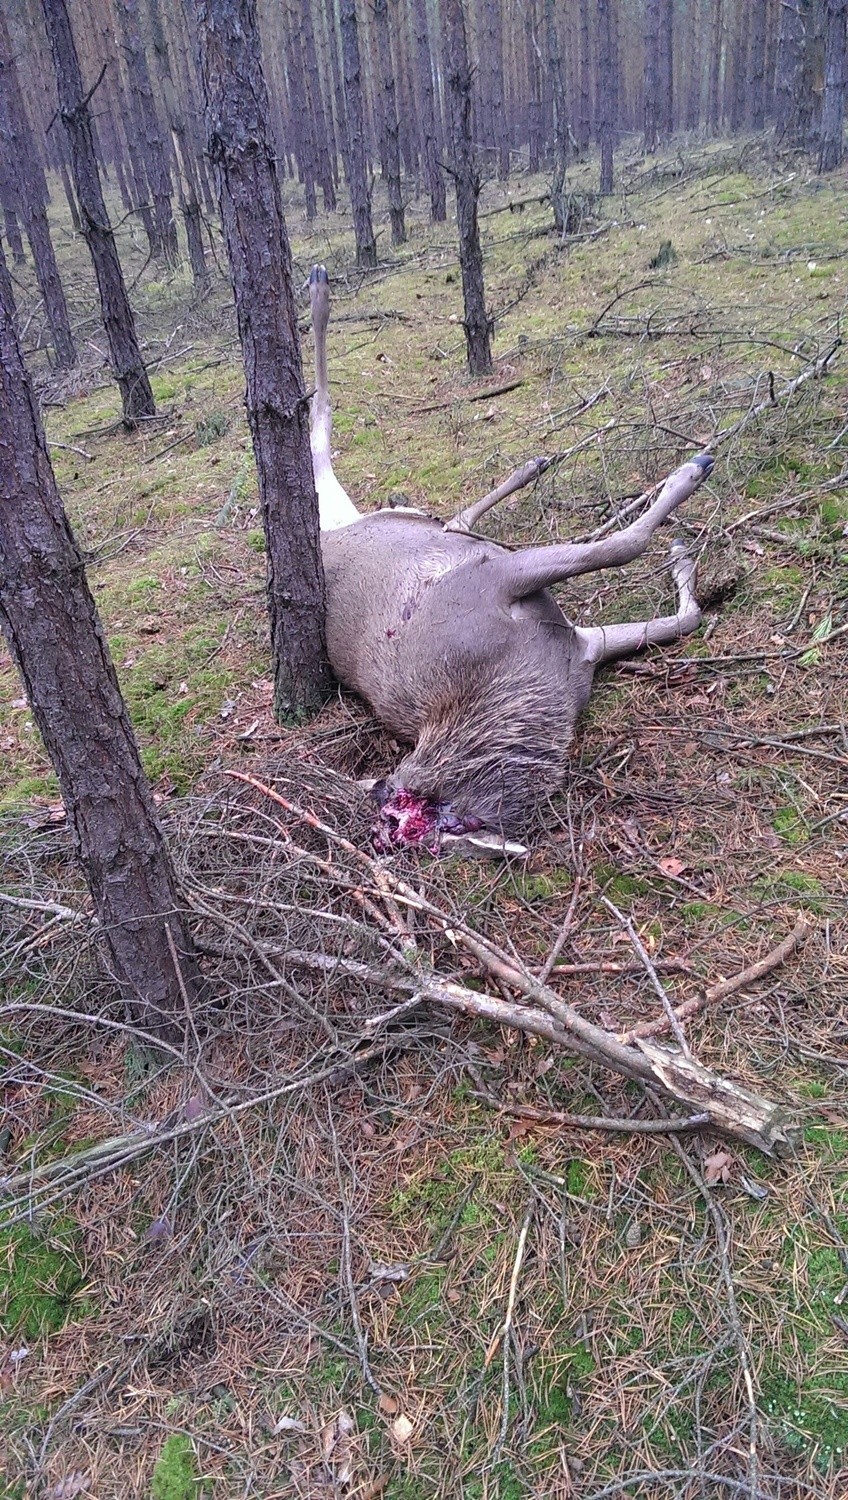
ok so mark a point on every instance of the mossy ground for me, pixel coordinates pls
(233, 1329)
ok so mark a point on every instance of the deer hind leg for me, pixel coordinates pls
(604, 643)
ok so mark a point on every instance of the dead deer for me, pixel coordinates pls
(459, 648)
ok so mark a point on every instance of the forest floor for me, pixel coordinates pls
(307, 1295)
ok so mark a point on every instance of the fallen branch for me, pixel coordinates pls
(773, 960)
(611, 1124)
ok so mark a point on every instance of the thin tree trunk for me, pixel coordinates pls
(666, 59)
(560, 117)
(56, 639)
(738, 74)
(17, 145)
(146, 123)
(10, 204)
(187, 185)
(390, 122)
(357, 164)
(467, 182)
(757, 64)
(429, 133)
(833, 103)
(714, 97)
(70, 195)
(652, 75)
(136, 394)
(606, 93)
(240, 146)
(586, 117)
(534, 88)
(323, 134)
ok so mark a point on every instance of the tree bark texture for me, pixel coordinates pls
(10, 204)
(714, 86)
(390, 121)
(534, 88)
(833, 103)
(467, 183)
(357, 162)
(757, 64)
(136, 395)
(789, 68)
(240, 146)
(429, 131)
(607, 92)
(55, 636)
(17, 145)
(560, 121)
(584, 121)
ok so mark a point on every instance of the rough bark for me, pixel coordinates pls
(10, 204)
(534, 88)
(429, 131)
(714, 89)
(240, 146)
(24, 164)
(136, 395)
(652, 75)
(149, 131)
(467, 183)
(357, 164)
(607, 92)
(390, 122)
(53, 631)
(833, 103)
(666, 55)
(737, 73)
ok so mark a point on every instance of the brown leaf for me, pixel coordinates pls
(336, 1448)
(671, 865)
(402, 1429)
(388, 1404)
(717, 1168)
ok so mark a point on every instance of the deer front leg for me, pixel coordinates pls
(604, 643)
(538, 568)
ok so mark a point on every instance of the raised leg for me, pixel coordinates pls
(464, 520)
(608, 642)
(524, 573)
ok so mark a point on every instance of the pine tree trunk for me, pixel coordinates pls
(757, 65)
(146, 123)
(429, 133)
(560, 124)
(390, 122)
(652, 75)
(70, 196)
(56, 639)
(186, 177)
(360, 192)
(240, 146)
(833, 103)
(585, 119)
(738, 73)
(467, 182)
(136, 395)
(714, 99)
(17, 145)
(314, 89)
(789, 69)
(10, 204)
(666, 42)
(606, 92)
(534, 88)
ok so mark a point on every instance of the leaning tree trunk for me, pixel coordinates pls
(457, 68)
(241, 148)
(833, 104)
(55, 636)
(17, 144)
(390, 121)
(429, 132)
(356, 161)
(136, 394)
(607, 92)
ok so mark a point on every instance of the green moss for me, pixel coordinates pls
(256, 541)
(789, 825)
(40, 1277)
(175, 1476)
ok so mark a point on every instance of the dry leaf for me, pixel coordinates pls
(72, 1484)
(388, 1404)
(717, 1168)
(287, 1424)
(402, 1429)
(672, 866)
(336, 1447)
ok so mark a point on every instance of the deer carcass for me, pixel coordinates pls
(460, 649)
